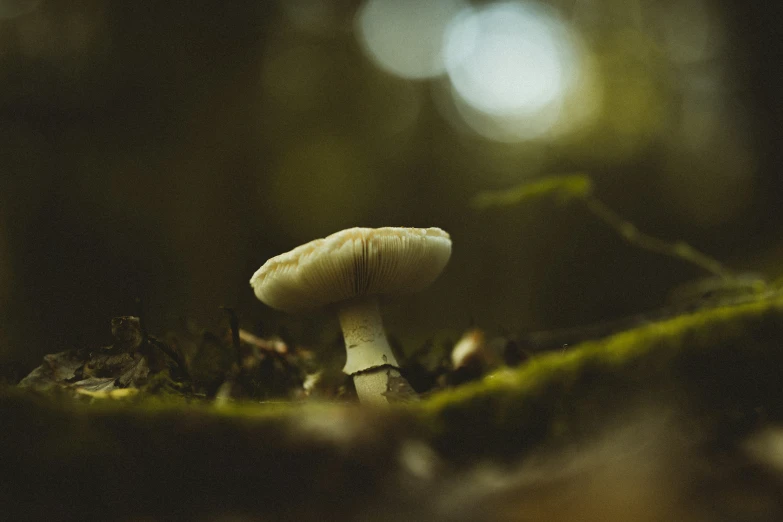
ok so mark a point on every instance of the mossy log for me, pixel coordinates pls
(146, 458)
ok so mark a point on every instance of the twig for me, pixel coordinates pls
(234, 323)
(171, 353)
(147, 339)
(142, 319)
(634, 236)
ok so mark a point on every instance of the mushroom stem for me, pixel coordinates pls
(369, 357)
(379, 385)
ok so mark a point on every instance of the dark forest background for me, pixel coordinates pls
(163, 151)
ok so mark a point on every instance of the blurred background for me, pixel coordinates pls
(163, 151)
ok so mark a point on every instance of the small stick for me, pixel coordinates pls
(148, 339)
(234, 323)
(142, 320)
(634, 236)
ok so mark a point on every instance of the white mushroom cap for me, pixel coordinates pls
(352, 263)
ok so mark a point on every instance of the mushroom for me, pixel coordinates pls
(351, 269)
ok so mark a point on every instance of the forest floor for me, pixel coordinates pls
(679, 418)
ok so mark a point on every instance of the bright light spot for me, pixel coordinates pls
(405, 37)
(505, 59)
(513, 68)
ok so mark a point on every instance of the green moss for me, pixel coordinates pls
(579, 188)
(723, 362)
(189, 461)
(562, 188)
(751, 331)
(721, 368)
(704, 344)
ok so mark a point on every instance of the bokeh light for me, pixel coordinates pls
(689, 31)
(507, 58)
(513, 67)
(405, 37)
(708, 168)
